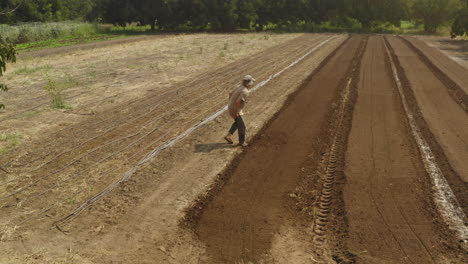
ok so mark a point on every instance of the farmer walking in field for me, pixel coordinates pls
(237, 101)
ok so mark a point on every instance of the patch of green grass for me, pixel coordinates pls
(29, 70)
(34, 31)
(9, 141)
(92, 75)
(63, 42)
(37, 36)
(71, 200)
(405, 24)
(55, 90)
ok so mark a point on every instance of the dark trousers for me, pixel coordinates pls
(238, 125)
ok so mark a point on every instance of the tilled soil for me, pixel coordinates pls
(454, 49)
(390, 218)
(444, 121)
(336, 169)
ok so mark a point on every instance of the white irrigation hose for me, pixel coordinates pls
(174, 140)
(444, 198)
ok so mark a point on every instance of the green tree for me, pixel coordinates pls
(460, 25)
(7, 54)
(117, 12)
(190, 12)
(246, 13)
(153, 12)
(434, 13)
(222, 14)
(369, 12)
(45, 10)
(269, 11)
(322, 10)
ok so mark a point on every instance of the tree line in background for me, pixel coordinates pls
(231, 15)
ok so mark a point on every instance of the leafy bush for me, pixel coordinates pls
(7, 54)
(460, 25)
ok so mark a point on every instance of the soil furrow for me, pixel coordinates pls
(457, 92)
(443, 123)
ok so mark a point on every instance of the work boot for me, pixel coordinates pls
(228, 139)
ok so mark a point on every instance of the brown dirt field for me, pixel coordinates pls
(113, 76)
(72, 165)
(240, 221)
(390, 218)
(450, 73)
(334, 176)
(115, 208)
(445, 120)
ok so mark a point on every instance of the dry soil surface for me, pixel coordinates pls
(332, 172)
(74, 164)
(390, 218)
(111, 75)
(455, 49)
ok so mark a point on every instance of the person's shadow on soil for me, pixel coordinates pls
(205, 148)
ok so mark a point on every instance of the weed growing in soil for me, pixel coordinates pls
(9, 141)
(226, 46)
(55, 91)
(92, 75)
